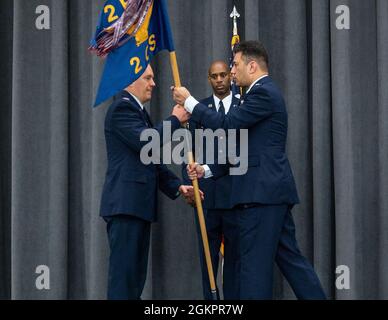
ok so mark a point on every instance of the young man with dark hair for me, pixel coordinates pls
(262, 199)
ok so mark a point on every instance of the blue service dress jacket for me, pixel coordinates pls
(130, 186)
(269, 179)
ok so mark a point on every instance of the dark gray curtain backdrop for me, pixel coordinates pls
(52, 149)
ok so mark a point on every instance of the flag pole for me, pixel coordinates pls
(198, 201)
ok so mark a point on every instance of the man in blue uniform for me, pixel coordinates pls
(262, 198)
(217, 210)
(130, 192)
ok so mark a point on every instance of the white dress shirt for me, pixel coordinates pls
(137, 100)
(191, 102)
(227, 101)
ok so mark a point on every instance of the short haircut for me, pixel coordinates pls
(218, 62)
(253, 51)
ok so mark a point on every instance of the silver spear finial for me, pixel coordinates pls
(234, 15)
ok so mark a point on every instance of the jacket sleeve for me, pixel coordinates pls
(219, 170)
(185, 177)
(256, 107)
(129, 125)
(169, 183)
(192, 127)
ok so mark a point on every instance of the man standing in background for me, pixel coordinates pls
(217, 208)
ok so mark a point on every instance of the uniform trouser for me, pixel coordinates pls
(219, 223)
(294, 266)
(267, 235)
(255, 238)
(129, 240)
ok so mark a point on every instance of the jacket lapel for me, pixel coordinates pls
(138, 108)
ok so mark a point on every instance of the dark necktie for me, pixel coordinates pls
(221, 108)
